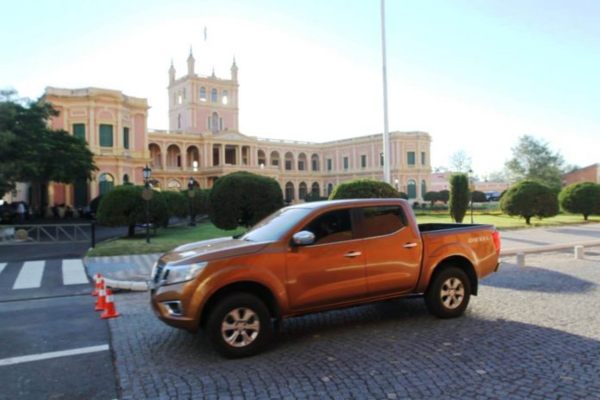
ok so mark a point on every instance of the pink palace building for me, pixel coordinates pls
(204, 142)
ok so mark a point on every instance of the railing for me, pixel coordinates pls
(48, 234)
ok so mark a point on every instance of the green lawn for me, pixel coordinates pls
(165, 240)
(504, 221)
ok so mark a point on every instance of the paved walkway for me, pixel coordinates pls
(137, 268)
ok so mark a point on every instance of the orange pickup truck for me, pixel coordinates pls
(318, 256)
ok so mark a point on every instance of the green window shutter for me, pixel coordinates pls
(345, 162)
(126, 138)
(411, 158)
(79, 131)
(423, 159)
(363, 161)
(106, 136)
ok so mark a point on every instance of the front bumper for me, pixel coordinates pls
(172, 306)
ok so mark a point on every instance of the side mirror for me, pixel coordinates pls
(303, 238)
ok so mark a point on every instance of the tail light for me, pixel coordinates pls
(496, 240)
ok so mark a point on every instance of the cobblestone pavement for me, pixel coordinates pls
(532, 333)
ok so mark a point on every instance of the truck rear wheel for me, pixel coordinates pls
(239, 325)
(449, 293)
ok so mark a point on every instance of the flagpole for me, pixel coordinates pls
(386, 134)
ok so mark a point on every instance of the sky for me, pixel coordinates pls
(475, 75)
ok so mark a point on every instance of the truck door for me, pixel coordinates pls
(392, 250)
(330, 271)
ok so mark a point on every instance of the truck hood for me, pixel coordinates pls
(213, 249)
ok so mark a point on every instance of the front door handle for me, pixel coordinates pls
(353, 254)
(410, 245)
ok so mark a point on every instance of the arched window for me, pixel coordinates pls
(262, 158)
(315, 162)
(214, 122)
(125, 179)
(107, 182)
(423, 188)
(289, 192)
(289, 161)
(202, 93)
(214, 96)
(225, 97)
(302, 191)
(302, 161)
(329, 189)
(155, 156)
(315, 190)
(412, 189)
(274, 159)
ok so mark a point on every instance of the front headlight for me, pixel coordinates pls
(182, 273)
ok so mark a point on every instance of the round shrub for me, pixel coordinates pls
(243, 199)
(124, 206)
(444, 195)
(177, 204)
(528, 199)
(199, 201)
(581, 198)
(478, 197)
(363, 189)
(432, 197)
(403, 195)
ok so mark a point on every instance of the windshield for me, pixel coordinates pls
(275, 225)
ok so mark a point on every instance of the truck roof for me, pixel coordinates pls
(351, 202)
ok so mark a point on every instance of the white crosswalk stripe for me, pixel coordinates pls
(73, 272)
(30, 275)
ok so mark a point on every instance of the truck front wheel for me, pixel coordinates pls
(449, 293)
(239, 325)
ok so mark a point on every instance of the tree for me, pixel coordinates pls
(534, 160)
(581, 198)
(444, 195)
(363, 189)
(243, 199)
(478, 197)
(124, 206)
(459, 196)
(431, 197)
(460, 161)
(528, 199)
(31, 152)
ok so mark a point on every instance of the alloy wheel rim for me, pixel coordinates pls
(240, 327)
(452, 293)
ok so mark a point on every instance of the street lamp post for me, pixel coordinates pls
(147, 196)
(191, 196)
(471, 193)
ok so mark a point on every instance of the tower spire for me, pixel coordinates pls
(191, 61)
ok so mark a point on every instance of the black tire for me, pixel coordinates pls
(250, 321)
(448, 293)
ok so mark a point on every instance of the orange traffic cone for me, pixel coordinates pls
(97, 278)
(101, 302)
(110, 312)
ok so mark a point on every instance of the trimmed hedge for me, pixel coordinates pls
(363, 189)
(478, 197)
(124, 206)
(530, 199)
(199, 201)
(459, 196)
(243, 199)
(581, 198)
(177, 204)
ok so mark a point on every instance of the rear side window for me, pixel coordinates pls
(380, 221)
(331, 227)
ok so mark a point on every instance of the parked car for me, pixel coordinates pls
(318, 256)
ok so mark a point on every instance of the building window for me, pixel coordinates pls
(178, 121)
(346, 162)
(215, 122)
(106, 135)
(289, 192)
(225, 97)
(329, 188)
(106, 183)
(125, 179)
(423, 188)
(300, 165)
(381, 159)
(274, 162)
(213, 95)
(363, 161)
(126, 138)
(179, 100)
(302, 191)
(288, 165)
(329, 164)
(410, 156)
(220, 124)
(423, 158)
(202, 93)
(79, 131)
